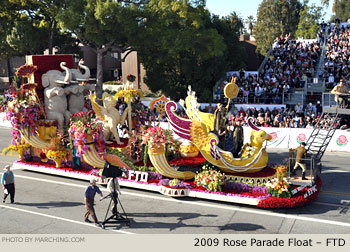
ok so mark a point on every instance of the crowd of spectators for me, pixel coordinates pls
(291, 64)
(297, 116)
(337, 56)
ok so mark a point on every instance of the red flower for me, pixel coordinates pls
(297, 200)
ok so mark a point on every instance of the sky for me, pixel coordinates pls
(245, 8)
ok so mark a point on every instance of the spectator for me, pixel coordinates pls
(258, 93)
(8, 184)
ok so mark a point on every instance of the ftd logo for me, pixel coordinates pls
(339, 242)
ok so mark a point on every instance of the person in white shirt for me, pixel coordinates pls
(258, 92)
(298, 108)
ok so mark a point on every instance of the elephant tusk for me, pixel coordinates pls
(87, 71)
(68, 76)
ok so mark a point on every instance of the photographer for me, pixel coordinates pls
(90, 193)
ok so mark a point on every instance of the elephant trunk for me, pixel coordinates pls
(68, 76)
(86, 75)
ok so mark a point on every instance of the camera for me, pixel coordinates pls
(113, 171)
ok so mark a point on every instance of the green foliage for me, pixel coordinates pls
(104, 25)
(113, 83)
(250, 24)
(26, 37)
(342, 9)
(30, 27)
(309, 22)
(180, 45)
(275, 18)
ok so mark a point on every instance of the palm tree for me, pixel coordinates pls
(250, 22)
(236, 21)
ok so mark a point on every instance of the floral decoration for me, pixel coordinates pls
(57, 151)
(128, 94)
(85, 128)
(279, 187)
(57, 154)
(20, 147)
(157, 136)
(210, 179)
(159, 104)
(23, 110)
(247, 151)
(174, 183)
(297, 200)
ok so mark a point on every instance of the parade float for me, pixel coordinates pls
(60, 127)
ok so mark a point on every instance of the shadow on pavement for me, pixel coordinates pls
(51, 204)
(241, 227)
(180, 217)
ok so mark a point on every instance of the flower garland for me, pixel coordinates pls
(83, 126)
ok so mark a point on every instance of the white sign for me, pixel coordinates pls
(138, 176)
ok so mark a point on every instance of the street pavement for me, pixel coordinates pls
(47, 204)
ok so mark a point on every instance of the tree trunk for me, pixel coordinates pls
(99, 74)
(50, 38)
(9, 71)
(52, 29)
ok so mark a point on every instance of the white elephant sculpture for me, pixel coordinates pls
(77, 75)
(55, 94)
(76, 101)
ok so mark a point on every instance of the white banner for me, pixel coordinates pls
(285, 138)
(259, 106)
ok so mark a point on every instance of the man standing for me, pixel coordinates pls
(341, 94)
(219, 125)
(258, 92)
(301, 153)
(8, 184)
(90, 193)
(238, 138)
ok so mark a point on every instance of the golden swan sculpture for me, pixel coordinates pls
(197, 130)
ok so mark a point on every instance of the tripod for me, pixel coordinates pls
(116, 217)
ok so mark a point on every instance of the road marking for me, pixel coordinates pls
(336, 193)
(60, 218)
(330, 204)
(231, 208)
(333, 171)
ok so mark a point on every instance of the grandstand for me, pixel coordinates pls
(298, 74)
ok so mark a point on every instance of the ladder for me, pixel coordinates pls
(319, 139)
